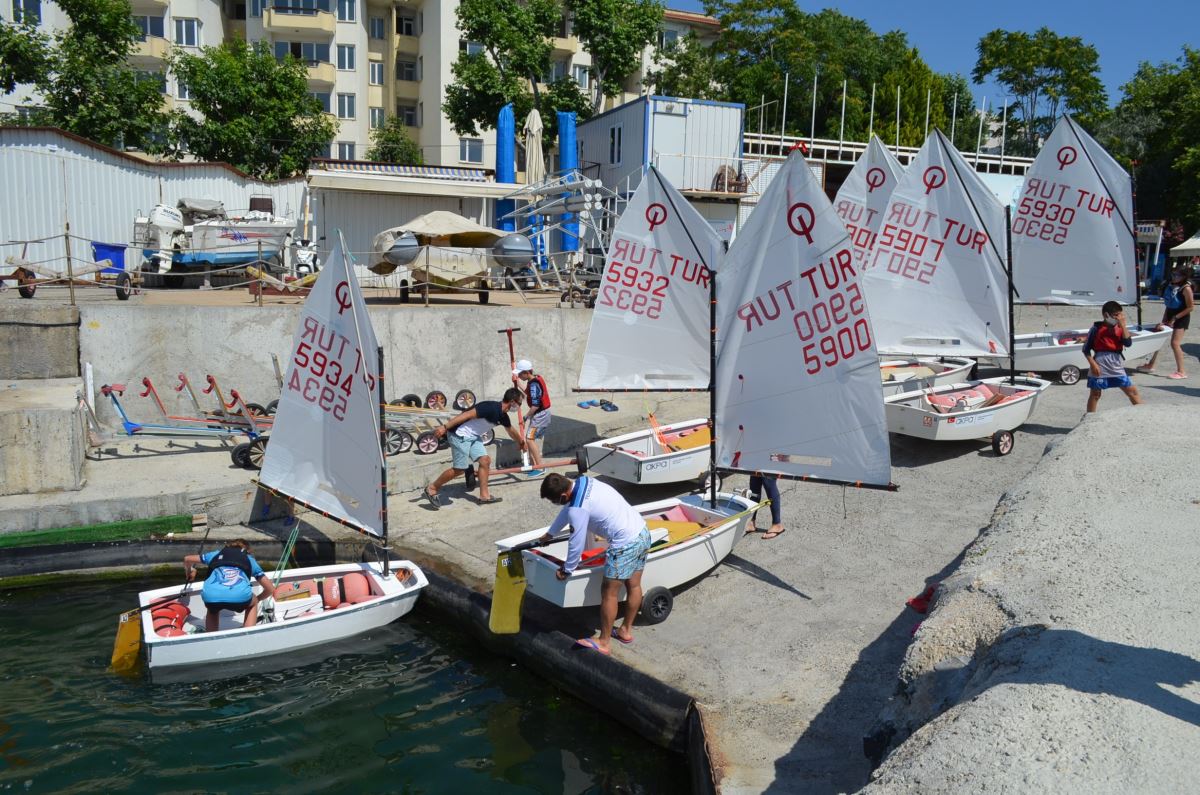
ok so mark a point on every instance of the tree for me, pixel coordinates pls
(1049, 74)
(254, 111)
(615, 33)
(689, 70)
(390, 143)
(82, 74)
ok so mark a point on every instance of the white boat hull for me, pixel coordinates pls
(909, 374)
(667, 567)
(298, 624)
(237, 235)
(912, 414)
(1051, 351)
(640, 457)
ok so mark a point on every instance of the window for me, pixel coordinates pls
(158, 78)
(307, 51)
(614, 145)
(305, 7)
(470, 150)
(27, 11)
(406, 70)
(346, 108)
(378, 27)
(345, 54)
(376, 117)
(376, 73)
(407, 113)
(256, 7)
(470, 47)
(324, 98)
(558, 70)
(150, 26)
(346, 14)
(182, 91)
(668, 39)
(561, 30)
(345, 150)
(187, 32)
(582, 77)
(406, 24)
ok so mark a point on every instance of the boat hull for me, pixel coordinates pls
(1051, 351)
(910, 374)
(667, 567)
(640, 457)
(299, 624)
(911, 414)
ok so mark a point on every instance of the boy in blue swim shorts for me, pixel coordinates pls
(1106, 364)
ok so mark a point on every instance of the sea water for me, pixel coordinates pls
(412, 708)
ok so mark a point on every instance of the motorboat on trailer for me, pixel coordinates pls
(1073, 244)
(688, 539)
(326, 454)
(989, 408)
(910, 373)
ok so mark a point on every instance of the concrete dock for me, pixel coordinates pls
(790, 648)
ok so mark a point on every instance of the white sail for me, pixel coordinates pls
(324, 447)
(1072, 238)
(797, 374)
(936, 280)
(650, 328)
(863, 197)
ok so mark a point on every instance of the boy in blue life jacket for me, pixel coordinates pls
(1105, 341)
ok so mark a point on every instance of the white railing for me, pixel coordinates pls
(829, 150)
(708, 173)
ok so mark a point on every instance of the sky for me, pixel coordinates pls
(947, 31)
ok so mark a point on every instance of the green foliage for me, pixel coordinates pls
(614, 32)
(391, 143)
(1049, 74)
(256, 111)
(23, 51)
(1155, 130)
(690, 70)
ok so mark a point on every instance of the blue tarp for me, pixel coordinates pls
(568, 160)
(506, 165)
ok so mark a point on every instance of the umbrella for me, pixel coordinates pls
(535, 163)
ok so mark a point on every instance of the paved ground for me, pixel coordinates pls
(792, 646)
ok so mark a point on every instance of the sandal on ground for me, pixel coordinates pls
(1177, 375)
(608, 405)
(434, 500)
(491, 500)
(770, 534)
(590, 643)
(1145, 368)
(616, 635)
(587, 404)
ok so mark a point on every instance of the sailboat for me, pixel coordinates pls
(861, 203)
(795, 395)
(1073, 243)
(937, 283)
(326, 454)
(650, 333)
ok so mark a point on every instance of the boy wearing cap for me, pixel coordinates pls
(538, 418)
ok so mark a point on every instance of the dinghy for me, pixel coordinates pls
(325, 453)
(910, 374)
(937, 284)
(1073, 243)
(650, 332)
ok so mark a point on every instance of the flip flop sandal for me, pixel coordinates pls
(590, 643)
(491, 500)
(608, 406)
(587, 404)
(434, 499)
(616, 636)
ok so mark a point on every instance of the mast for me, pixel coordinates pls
(383, 485)
(1012, 334)
(712, 386)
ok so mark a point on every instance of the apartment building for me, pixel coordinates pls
(366, 59)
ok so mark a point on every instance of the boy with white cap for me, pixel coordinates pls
(538, 418)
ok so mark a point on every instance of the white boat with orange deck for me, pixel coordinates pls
(665, 454)
(989, 408)
(907, 374)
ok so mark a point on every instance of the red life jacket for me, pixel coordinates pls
(545, 398)
(1106, 337)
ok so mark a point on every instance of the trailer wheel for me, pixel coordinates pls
(257, 410)
(484, 293)
(406, 441)
(404, 291)
(464, 400)
(241, 455)
(411, 400)
(25, 290)
(151, 280)
(394, 442)
(258, 452)
(706, 482)
(272, 407)
(488, 436)
(1069, 374)
(1002, 442)
(435, 400)
(656, 605)
(427, 443)
(581, 461)
(124, 286)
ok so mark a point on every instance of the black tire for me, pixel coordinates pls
(427, 443)
(272, 407)
(124, 286)
(406, 441)
(1003, 442)
(1069, 374)
(436, 400)
(151, 280)
(394, 442)
(487, 437)
(704, 482)
(241, 455)
(973, 373)
(257, 452)
(507, 284)
(27, 290)
(257, 410)
(464, 399)
(412, 400)
(581, 461)
(484, 293)
(656, 605)
(404, 291)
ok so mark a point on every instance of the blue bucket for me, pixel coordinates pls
(115, 253)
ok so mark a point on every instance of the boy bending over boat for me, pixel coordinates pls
(590, 506)
(1105, 340)
(464, 433)
(230, 571)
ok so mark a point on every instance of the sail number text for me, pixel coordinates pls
(321, 373)
(633, 283)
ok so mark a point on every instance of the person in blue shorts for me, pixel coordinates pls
(228, 586)
(538, 419)
(590, 506)
(464, 432)
(1105, 341)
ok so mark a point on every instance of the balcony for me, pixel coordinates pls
(407, 45)
(408, 89)
(321, 73)
(280, 20)
(155, 7)
(151, 49)
(568, 45)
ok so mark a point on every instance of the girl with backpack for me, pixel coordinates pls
(1177, 315)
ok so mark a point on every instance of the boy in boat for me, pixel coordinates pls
(590, 506)
(465, 447)
(1106, 363)
(537, 421)
(230, 572)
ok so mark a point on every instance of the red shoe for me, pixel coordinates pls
(921, 603)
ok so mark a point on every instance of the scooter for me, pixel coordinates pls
(304, 257)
